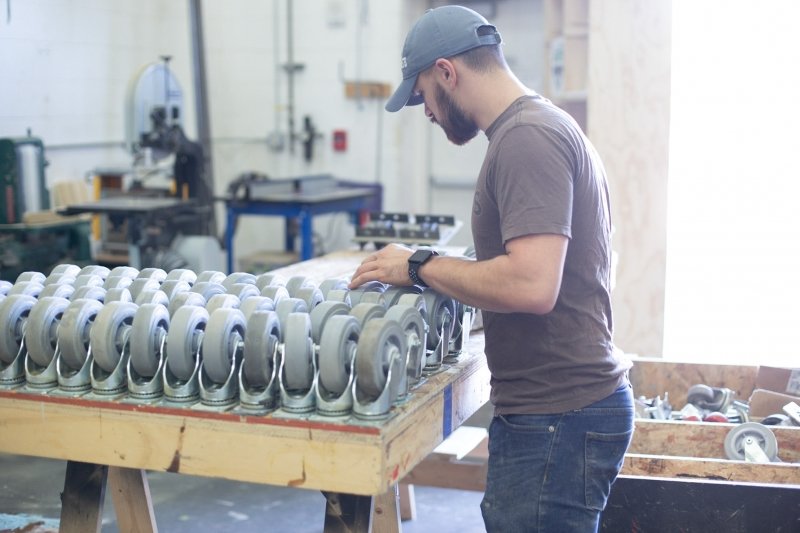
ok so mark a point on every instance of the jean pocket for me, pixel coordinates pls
(605, 453)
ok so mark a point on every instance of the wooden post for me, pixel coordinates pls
(408, 505)
(132, 502)
(82, 499)
(386, 512)
(347, 513)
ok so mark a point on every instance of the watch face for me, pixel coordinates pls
(420, 256)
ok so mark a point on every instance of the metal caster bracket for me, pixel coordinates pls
(329, 404)
(12, 375)
(258, 400)
(379, 408)
(180, 393)
(73, 382)
(144, 390)
(39, 379)
(109, 385)
(297, 401)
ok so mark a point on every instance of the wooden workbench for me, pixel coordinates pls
(356, 464)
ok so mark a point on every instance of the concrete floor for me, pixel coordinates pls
(30, 492)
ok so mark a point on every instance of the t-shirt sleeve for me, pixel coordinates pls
(533, 184)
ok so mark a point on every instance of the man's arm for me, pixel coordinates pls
(526, 279)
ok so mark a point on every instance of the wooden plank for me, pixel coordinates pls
(132, 503)
(653, 377)
(669, 505)
(408, 503)
(714, 469)
(702, 439)
(386, 512)
(445, 472)
(82, 499)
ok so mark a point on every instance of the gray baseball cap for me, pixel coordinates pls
(442, 32)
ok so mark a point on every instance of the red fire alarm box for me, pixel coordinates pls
(340, 140)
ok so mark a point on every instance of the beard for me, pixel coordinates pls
(457, 126)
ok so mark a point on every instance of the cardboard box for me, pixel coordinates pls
(766, 402)
(782, 380)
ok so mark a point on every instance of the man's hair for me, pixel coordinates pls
(484, 58)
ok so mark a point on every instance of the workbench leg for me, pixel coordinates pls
(408, 505)
(386, 512)
(82, 499)
(132, 502)
(307, 236)
(347, 513)
(230, 228)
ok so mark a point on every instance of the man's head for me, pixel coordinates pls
(444, 32)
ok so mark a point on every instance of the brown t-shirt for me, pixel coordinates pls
(542, 175)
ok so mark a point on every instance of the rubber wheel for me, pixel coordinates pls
(94, 270)
(182, 340)
(150, 327)
(74, 330)
(296, 282)
(332, 284)
(208, 289)
(243, 291)
(734, 441)
(88, 280)
(287, 306)
(268, 280)
(393, 294)
(416, 301)
(276, 293)
(225, 331)
(298, 352)
(29, 288)
(365, 312)
(124, 271)
(181, 274)
(413, 325)
(59, 291)
(339, 295)
(117, 282)
(157, 274)
(59, 279)
(173, 287)
(68, 269)
(213, 276)
(261, 337)
(700, 395)
(337, 351)
(441, 310)
(321, 314)
(370, 292)
(89, 293)
(312, 296)
(185, 299)
(222, 301)
(41, 328)
(108, 334)
(31, 275)
(238, 277)
(14, 311)
(257, 303)
(143, 284)
(380, 340)
(5, 287)
(152, 296)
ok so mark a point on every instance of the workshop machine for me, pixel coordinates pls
(30, 236)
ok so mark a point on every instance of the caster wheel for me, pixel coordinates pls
(74, 330)
(224, 333)
(337, 352)
(320, 316)
(212, 276)
(236, 278)
(63, 290)
(110, 333)
(298, 352)
(243, 291)
(59, 279)
(222, 301)
(14, 311)
(70, 270)
(700, 395)
(764, 438)
(183, 340)
(118, 295)
(413, 325)
(340, 295)
(268, 280)
(332, 284)
(89, 293)
(381, 341)
(5, 286)
(393, 294)
(208, 289)
(312, 296)
(143, 284)
(150, 327)
(152, 296)
(276, 293)
(370, 292)
(117, 282)
(441, 313)
(289, 305)
(365, 312)
(185, 299)
(257, 303)
(261, 338)
(41, 328)
(124, 271)
(28, 288)
(181, 274)
(295, 283)
(94, 270)
(157, 274)
(31, 275)
(173, 287)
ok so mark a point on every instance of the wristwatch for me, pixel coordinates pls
(416, 260)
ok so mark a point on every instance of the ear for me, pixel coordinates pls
(445, 71)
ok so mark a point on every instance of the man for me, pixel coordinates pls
(541, 223)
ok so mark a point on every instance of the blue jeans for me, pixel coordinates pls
(553, 473)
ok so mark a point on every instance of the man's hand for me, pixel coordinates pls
(387, 265)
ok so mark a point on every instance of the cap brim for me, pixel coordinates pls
(402, 95)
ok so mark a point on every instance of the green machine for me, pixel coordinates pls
(27, 245)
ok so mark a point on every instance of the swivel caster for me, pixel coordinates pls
(42, 343)
(751, 442)
(14, 312)
(380, 355)
(147, 353)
